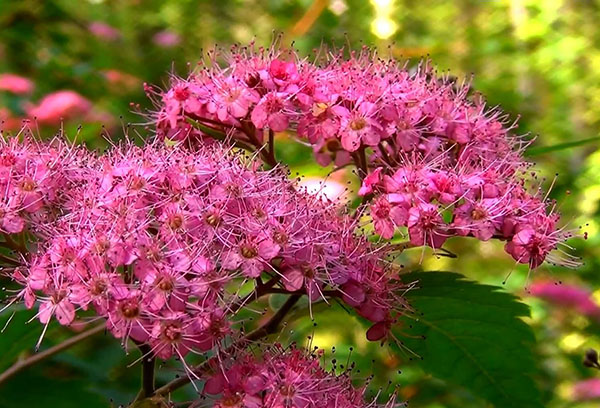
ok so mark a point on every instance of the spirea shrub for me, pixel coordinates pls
(167, 241)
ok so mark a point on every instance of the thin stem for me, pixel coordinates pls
(9, 260)
(271, 153)
(401, 246)
(261, 290)
(263, 331)
(384, 155)
(36, 358)
(147, 371)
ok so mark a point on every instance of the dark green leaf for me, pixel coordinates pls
(474, 337)
(18, 337)
(538, 150)
(40, 389)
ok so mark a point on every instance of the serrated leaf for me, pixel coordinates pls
(474, 338)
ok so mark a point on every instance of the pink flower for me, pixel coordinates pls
(283, 73)
(270, 111)
(481, 218)
(233, 99)
(59, 105)
(529, 246)
(359, 126)
(121, 80)
(302, 277)
(586, 390)
(283, 377)
(426, 227)
(369, 182)
(386, 217)
(104, 31)
(166, 39)
(252, 256)
(59, 306)
(10, 220)
(573, 296)
(8, 122)
(15, 84)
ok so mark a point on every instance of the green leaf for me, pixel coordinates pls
(474, 337)
(45, 388)
(18, 336)
(538, 150)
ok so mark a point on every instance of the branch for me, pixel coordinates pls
(148, 360)
(263, 331)
(261, 290)
(29, 361)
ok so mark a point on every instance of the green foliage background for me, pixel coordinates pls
(537, 59)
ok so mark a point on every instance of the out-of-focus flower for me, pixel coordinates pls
(166, 39)
(121, 81)
(572, 296)
(586, 390)
(15, 84)
(104, 31)
(59, 105)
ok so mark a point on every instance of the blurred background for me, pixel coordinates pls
(85, 61)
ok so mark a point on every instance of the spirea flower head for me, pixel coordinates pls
(284, 377)
(158, 240)
(433, 161)
(34, 178)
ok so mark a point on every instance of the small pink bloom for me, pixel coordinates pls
(166, 39)
(59, 105)
(567, 295)
(426, 227)
(529, 246)
(104, 31)
(360, 127)
(15, 84)
(370, 181)
(586, 390)
(386, 217)
(271, 111)
(62, 308)
(283, 73)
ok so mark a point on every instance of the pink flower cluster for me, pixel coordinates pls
(433, 161)
(284, 378)
(153, 238)
(34, 177)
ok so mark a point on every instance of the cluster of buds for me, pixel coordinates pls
(158, 240)
(432, 160)
(280, 377)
